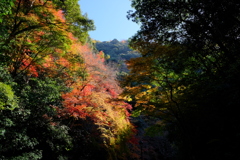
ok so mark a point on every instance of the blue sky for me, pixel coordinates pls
(110, 19)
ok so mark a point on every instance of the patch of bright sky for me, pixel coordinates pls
(110, 19)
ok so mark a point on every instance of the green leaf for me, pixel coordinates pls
(7, 98)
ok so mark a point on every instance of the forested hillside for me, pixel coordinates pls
(58, 99)
(116, 50)
(117, 53)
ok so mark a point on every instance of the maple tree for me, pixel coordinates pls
(30, 130)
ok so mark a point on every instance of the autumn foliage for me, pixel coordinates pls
(63, 86)
(95, 98)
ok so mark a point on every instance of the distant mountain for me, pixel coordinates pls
(117, 52)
